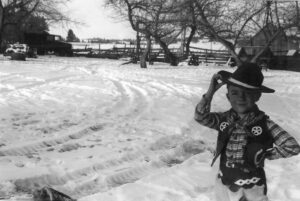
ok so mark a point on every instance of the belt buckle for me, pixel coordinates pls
(229, 164)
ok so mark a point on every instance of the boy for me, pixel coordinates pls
(246, 135)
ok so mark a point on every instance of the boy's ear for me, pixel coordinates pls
(257, 96)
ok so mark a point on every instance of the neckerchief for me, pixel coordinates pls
(234, 121)
(249, 119)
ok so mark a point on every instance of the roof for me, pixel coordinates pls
(268, 29)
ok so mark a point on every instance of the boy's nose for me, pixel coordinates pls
(242, 95)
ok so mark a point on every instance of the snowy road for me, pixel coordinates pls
(98, 130)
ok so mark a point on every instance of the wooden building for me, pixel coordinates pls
(279, 44)
(276, 55)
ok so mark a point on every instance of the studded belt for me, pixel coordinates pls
(229, 164)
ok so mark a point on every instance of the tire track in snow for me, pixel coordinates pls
(102, 177)
(133, 102)
(124, 100)
(34, 147)
(163, 159)
(31, 183)
(82, 175)
(172, 89)
(40, 83)
(141, 100)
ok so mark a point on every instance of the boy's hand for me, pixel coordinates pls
(215, 84)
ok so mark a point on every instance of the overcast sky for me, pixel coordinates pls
(99, 21)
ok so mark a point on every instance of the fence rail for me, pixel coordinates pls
(156, 54)
(197, 49)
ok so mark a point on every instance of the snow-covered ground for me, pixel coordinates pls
(98, 130)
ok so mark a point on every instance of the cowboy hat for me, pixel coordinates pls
(247, 76)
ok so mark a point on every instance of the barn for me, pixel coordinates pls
(276, 56)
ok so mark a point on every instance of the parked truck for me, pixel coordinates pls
(48, 43)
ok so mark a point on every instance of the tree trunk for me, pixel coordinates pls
(189, 40)
(146, 52)
(1, 23)
(170, 57)
(236, 58)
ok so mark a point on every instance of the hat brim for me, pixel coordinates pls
(225, 75)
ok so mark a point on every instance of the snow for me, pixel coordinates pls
(98, 130)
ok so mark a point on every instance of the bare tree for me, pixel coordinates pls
(157, 19)
(187, 21)
(15, 12)
(1, 19)
(227, 21)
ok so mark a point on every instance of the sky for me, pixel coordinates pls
(99, 21)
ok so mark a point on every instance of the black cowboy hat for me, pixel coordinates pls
(247, 76)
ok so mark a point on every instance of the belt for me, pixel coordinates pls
(229, 164)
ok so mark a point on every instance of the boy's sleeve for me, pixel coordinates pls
(204, 116)
(285, 145)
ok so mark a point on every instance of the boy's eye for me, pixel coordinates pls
(234, 92)
(250, 93)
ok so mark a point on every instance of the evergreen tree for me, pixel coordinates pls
(35, 24)
(71, 37)
(14, 13)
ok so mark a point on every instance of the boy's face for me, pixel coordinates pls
(242, 100)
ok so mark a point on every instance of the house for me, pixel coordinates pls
(276, 54)
(279, 44)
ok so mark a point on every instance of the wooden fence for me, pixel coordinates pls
(156, 54)
(210, 56)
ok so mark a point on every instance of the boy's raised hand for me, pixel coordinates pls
(215, 84)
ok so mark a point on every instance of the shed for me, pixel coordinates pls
(280, 45)
(261, 38)
(292, 60)
(281, 54)
(292, 53)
